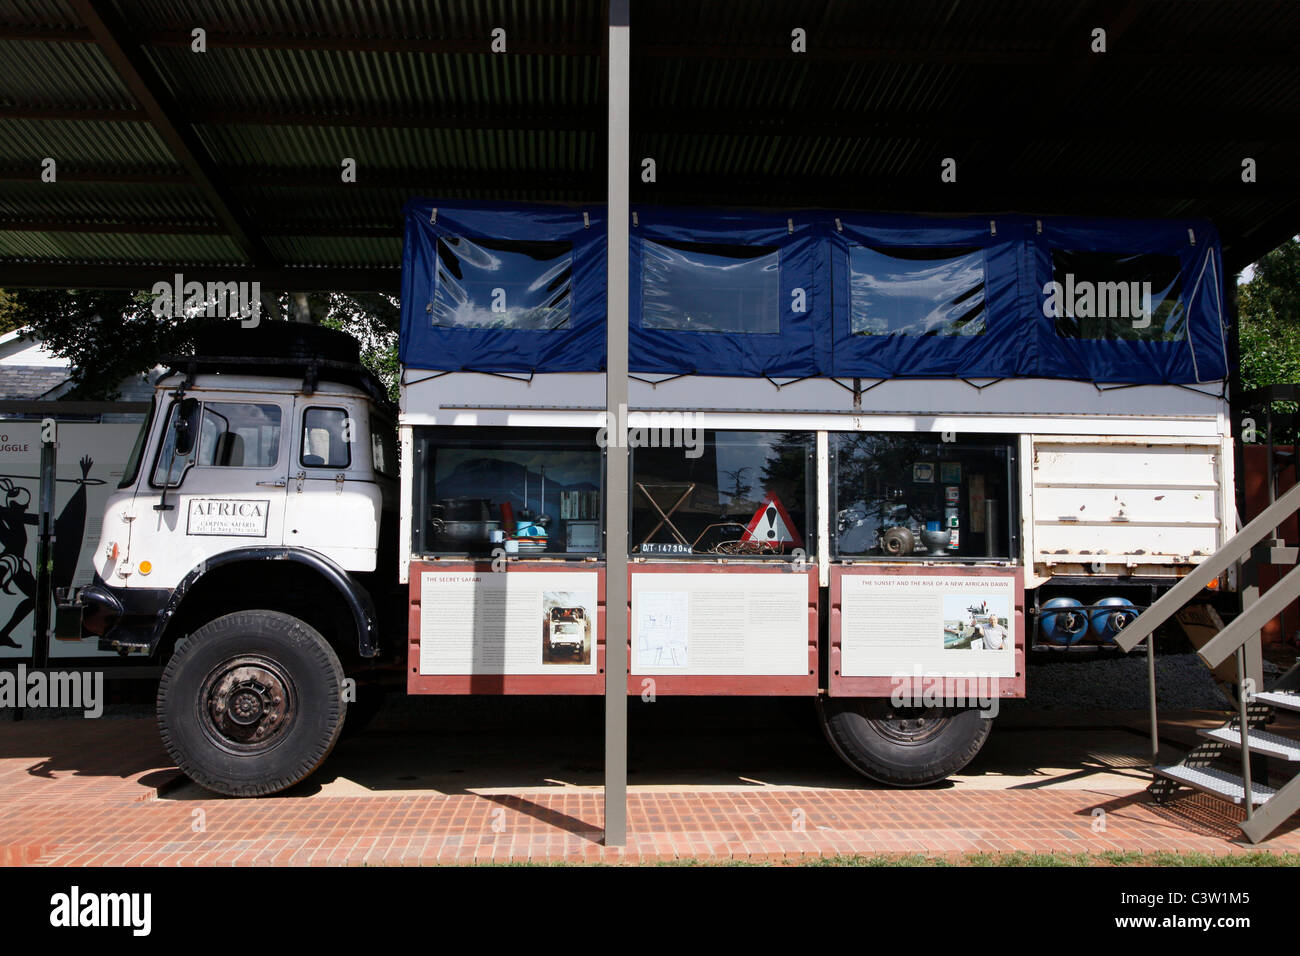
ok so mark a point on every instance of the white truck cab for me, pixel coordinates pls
(261, 465)
(256, 482)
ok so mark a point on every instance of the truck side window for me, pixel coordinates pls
(707, 492)
(231, 435)
(912, 496)
(325, 438)
(698, 287)
(383, 446)
(527, 491)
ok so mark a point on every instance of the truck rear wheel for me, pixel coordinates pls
(902, 747)
(251, 703)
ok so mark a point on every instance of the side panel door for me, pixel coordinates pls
(333, 503)
(1126, 501)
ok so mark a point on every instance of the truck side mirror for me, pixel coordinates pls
(187, 426)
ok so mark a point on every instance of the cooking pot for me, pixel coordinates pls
(465, 509)
(468, 532)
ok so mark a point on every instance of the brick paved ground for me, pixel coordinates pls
(88, 793)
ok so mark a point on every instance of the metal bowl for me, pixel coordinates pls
(936, 542)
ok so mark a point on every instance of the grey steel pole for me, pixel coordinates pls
(616, 465)
(1151, 700)
(1243, 716)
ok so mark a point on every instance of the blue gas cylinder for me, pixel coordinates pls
(1061, 624)
(1112, 615)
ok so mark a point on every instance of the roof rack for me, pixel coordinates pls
(313, 371)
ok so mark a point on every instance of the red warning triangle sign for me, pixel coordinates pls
(771, 523)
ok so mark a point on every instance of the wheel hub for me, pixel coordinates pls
(908, 725)
(247, 704)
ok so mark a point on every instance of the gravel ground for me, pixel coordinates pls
(1120, 683)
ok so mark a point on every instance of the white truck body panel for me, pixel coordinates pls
(1115, 503)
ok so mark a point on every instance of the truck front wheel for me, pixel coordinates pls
(902, 747)
(251, 703)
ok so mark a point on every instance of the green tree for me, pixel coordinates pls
(1269, 326)
(108, 335)
(8, 317)
(375, 320)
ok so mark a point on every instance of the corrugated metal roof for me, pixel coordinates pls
(58, 74)
(104, 202)
(100, 145)
(88, 246)
(1158, 125)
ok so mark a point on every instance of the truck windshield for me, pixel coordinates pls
(231, 435)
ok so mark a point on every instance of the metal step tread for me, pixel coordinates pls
(1261, 742)
(1286, 699)
(1215, 781)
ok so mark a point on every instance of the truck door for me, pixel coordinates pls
(334, 503)
(226, 491)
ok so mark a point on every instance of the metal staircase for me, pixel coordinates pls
(1254, 545)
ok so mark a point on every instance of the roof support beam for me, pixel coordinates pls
(127, 58)
(1259, 240)
(373, 44)
(332, 229)
(843, 47)
(110, 176)
(15, 275)
(104, 114)
(1102, 126)
(90, 227)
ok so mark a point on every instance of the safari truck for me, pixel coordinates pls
(568, 630)
(875, 461)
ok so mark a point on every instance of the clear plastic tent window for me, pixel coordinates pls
(1101, 295)
(502, 284)
(693, 287)
(916, 292)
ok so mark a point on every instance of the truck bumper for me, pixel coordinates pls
(122, 618)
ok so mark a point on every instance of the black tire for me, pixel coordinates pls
(911, 747)
(251, 703)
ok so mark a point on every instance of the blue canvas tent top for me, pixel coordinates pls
(495, 287)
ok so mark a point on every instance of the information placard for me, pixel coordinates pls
(502, 623)
(894, 625)
(734, 623)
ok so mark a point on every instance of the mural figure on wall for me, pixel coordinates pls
(16, 574)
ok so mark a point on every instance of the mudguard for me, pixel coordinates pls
(354, 595)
